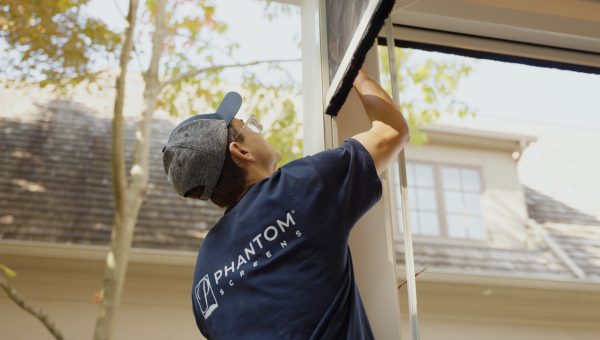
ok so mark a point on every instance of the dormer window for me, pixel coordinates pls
(445, 200)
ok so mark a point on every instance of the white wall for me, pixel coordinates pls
(156, 304)
(156, 300)
(495, 311)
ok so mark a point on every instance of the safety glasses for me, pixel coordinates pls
(252, 124)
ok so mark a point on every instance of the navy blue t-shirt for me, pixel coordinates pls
(277, 264)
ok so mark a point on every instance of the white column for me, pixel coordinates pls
(372, 241)
(312, 89)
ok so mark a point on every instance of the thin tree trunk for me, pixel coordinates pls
(122, 225)
(38, 313)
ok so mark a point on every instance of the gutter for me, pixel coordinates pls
(500, 279)
(94, 252)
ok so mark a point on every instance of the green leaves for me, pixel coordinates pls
(273, 104)
(51, 42)
(426, 87)
(7, 271)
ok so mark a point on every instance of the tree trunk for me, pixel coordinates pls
(122, 224)
(131, 193)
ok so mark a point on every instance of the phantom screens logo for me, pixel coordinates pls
(206, 297)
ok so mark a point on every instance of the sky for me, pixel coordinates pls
(494, 89)
(530, 93)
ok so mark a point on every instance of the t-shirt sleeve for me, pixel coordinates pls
(350, 179)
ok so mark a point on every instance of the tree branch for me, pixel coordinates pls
(210, 45)
(194, 72)
(118, 153)
(38, 313)
(125, 17)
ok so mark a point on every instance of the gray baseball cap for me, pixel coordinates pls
(194, 154)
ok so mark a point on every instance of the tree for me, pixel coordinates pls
(282, 132)
(426, 88)
(126, 196)
(52, 42)
(194, 80)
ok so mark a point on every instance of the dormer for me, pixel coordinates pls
(464, 187)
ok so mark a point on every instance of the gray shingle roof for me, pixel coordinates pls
(577, 233)
(55, 183)
(541, 263)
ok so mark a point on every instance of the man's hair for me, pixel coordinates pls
(232, 180)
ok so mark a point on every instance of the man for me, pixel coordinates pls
(277, 264)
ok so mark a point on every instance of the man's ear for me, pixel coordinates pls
(241, 156)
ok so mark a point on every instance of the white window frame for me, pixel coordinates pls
(441, 206)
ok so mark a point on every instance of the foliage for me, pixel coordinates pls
(7, 271)
(191, 27)
(52, 42)
(194, 84)
(426, 87)
(282, 129)
(275, 9)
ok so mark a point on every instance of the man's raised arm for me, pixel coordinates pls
(389, 131)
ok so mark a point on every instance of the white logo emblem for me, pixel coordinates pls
(205, 297)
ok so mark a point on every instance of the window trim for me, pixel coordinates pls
(435, 188)
(459, 165)
(441, 206)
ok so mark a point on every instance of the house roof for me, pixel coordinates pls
(55, 186)
(576, 232)
(539, 263)
(55, 183)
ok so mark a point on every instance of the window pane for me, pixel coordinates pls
(426, 199)
(470, 180)
(472, 203)
(429, 223)
(424, 175)
(453, 201)
(456, 226)
(475, 227)
(400, 221)
(397, 197)
(414, 221)
(450, 178)
(410, 174)
(395, 175)
(412, 198)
